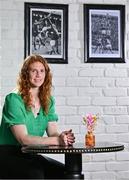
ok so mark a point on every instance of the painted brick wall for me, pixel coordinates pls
(79, 87)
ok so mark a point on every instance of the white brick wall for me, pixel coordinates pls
(79, 87)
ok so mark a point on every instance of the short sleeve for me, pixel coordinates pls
(52, 116)
(13, 110)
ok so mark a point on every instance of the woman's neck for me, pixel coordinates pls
(34, 92)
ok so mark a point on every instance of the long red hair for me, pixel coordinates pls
(24, 83)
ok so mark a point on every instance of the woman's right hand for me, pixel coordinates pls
(66, 138)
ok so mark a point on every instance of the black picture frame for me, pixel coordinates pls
(46, 31)
(104, 33)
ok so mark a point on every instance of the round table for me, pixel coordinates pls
(73, 154)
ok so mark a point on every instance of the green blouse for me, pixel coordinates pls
(14, 113)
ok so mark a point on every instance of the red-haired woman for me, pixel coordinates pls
(27, 115)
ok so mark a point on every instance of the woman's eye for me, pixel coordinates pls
(33, 70)
(37, 71)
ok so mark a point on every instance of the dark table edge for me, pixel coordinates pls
(25, 149)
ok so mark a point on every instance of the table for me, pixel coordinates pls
(73, 154)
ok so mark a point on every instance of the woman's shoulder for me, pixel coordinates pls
(12, 96)
(52, 102)
(52, 99)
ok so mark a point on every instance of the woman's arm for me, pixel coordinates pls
(65, 137)
(22, 136)
(55, 138)
(52, 129)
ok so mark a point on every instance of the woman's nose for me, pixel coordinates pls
(38, 73)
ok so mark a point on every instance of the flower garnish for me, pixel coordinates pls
(90, 121)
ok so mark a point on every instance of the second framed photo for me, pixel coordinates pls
(104, 31)
(46, 31)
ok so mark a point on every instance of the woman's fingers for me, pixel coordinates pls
(67, 137)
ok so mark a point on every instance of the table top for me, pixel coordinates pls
(76, 148)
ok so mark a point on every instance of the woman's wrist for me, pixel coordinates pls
(55, 140)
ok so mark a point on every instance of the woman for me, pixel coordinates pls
(27, 114)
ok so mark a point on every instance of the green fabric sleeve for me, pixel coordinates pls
(13, 110)
(52, 116)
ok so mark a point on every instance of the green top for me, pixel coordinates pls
(14, 112)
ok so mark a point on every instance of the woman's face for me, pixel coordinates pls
(36, 74)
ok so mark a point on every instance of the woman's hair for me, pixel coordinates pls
(24, 83)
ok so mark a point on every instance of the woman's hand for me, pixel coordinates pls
(67, 138)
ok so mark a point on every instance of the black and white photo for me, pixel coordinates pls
(46, 31)
(104, 33)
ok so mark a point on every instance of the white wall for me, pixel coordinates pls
(79, 87)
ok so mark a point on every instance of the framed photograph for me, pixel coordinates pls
(104, 31)
(46, 31)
